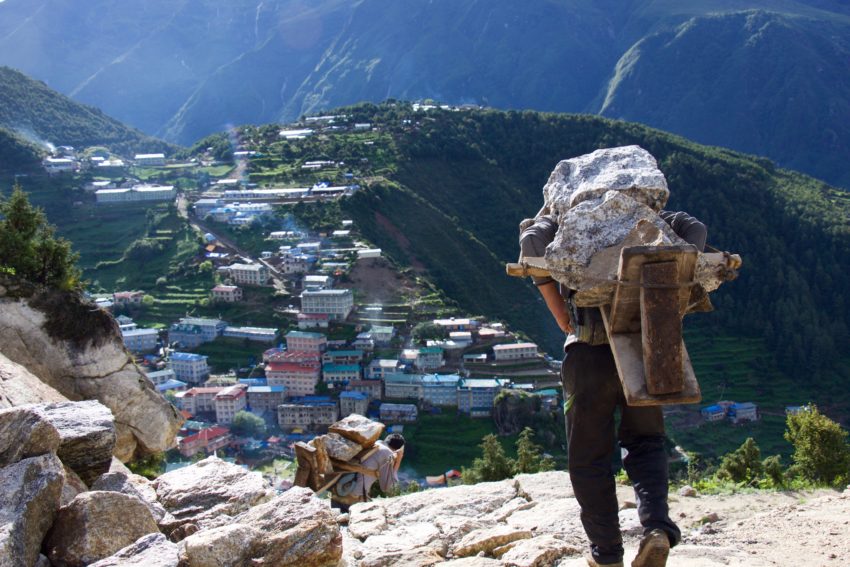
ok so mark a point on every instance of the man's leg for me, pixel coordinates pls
(642, 436)
(591, 389)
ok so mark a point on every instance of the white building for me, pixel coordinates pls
(515, 351)
(59, 165)
(227, 293)
(139, 193)
(228, 402)
(150, 160)
(259, 334)
(249, 274)
(161, 376)
(335, 303)
(210, 328)
(140, 340)
(189, 367)
(316, 282)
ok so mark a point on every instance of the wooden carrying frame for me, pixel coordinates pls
(644, 321)
(644, 325)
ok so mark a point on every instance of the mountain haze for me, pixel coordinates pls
(765, 77)
(37, 113)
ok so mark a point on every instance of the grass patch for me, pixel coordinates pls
(439, 442)
(227, 354)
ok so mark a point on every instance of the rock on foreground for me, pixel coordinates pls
(75, 350)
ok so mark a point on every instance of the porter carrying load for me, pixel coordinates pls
(615, 250)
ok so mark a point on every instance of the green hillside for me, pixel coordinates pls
(16, 153)
(36, 112)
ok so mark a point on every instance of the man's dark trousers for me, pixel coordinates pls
(593, 393)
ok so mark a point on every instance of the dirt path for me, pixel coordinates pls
(788, 529)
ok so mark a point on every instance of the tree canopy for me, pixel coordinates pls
(29, 248)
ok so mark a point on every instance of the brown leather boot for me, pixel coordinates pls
(653, 550)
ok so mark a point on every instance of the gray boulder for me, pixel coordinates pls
(88, 436)
(29, 499)
(96, 525)
(201, 492)
(132, 485)
(630, 170)
(72, 486)
(152, 550)
(24, 433)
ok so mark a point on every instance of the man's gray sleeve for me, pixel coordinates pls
(687, 227)
(534, 239)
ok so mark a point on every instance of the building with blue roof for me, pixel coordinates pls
(440, 389)
(189, 367)
(475, 395)
(340, 373)
(254, 382)
(713, 413)
(175, 385)
(265, 399)
(353, 402)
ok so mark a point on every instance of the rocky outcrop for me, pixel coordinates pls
(24, 432)
(152, 550)
(87, 434)
(19, 386)
(96, 525)
(75, 348)
(208, 489)
(30, 490)
(136, 486)
(359, 429)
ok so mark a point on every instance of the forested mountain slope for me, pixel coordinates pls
(466, 179)
(43, 116)
(762, 76)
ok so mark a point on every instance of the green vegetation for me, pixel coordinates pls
(821, 458)
(246, 424)
(494, 464)
(821, 452)
(29, 248)
(226, 354)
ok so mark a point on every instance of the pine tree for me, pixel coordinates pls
(29, 248)
(493, 464)
(529, 455)
(743, 464)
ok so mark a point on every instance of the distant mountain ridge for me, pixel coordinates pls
(765, 77)
(43, 118)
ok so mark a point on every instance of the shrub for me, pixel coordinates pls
(743, 464)
(821, 453)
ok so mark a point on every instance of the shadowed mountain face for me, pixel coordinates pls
(767, 77)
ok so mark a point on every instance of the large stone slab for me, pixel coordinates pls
(629, 170)
(96, 525)
(602, 226)
(359, 429)
(152, 550)
(87, 433)
(207, 489)
(228, 545)
(29, 500)
(340, 448)
(487, 539)
(24, 433)
(298, 529)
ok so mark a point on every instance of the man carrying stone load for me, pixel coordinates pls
(593, 392)
(381, 466)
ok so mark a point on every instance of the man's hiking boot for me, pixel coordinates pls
(653, 550)
(592, 562)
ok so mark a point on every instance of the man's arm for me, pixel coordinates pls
(551, 293)
(533, 242)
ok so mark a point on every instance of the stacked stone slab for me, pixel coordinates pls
(348, 441)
